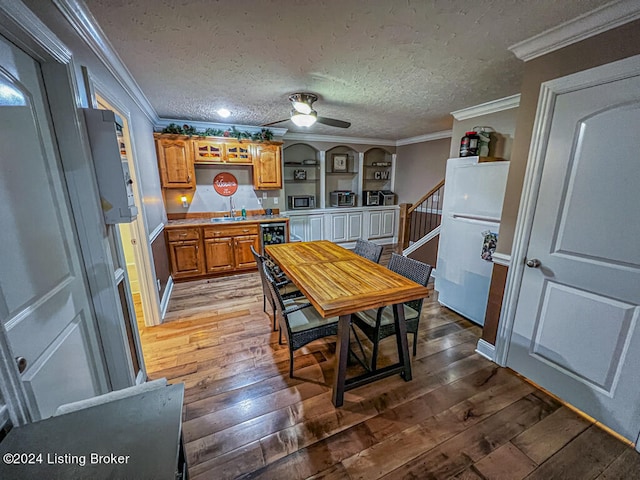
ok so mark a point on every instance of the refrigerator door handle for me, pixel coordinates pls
(476, 217)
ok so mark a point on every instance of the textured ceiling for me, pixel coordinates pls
(394, 69)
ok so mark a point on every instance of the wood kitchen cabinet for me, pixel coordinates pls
(185, 252)
(267, 167)
(228, 247)
(175, 162)
(179, 155)
(219, 254)
(208, 151)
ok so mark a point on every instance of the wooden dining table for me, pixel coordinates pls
(339, 282)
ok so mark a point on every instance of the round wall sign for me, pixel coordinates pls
(225, 184)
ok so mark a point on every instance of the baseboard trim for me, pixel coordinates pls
(164, 303)
(485, 349)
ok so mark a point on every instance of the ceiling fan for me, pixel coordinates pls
(303, 114)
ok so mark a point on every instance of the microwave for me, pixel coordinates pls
(371, 197)
(301, 201)
(343, 198)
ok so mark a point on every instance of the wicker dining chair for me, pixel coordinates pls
(368, 250)
(299, 320)
(378, 324)
(287, 289)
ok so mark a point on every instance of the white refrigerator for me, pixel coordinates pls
(471, 209)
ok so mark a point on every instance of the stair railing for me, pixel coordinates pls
(417, 220)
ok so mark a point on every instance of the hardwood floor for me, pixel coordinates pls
(460, 417)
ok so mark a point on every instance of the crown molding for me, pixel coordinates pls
(164, 122)
(85, 25)
(309, 137)
(487, 108)
(424, 138)
(580, 28)
(39, 35)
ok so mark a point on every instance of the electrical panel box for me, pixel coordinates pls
(112, 168)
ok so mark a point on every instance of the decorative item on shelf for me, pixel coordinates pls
(469, 144)
(483, 140)
(340, 162)
(264, 135)
(299, 174)
(381, 175)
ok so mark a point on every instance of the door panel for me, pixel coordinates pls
(575, 329)
(219, 254)
(44, 301)
(42, 380)
(388, 223)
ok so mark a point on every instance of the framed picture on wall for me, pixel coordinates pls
(340, 162)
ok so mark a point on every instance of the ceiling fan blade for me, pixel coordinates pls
(273, 123)
(332, 122)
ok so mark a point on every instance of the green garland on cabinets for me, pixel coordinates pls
(264, 135)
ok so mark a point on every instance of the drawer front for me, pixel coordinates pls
(230, 230)
(178, 234)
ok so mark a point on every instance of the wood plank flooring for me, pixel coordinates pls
(462, 417)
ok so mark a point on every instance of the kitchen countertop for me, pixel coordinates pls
(201, 222)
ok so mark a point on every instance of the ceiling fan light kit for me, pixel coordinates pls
(302, 102)
(302, 119)
(303, 114)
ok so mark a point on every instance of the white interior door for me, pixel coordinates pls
(44, 302)
(576, 329)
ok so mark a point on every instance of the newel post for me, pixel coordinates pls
(404, 225)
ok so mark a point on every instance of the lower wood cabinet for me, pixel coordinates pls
(200, 251)
(219, 254)
(185, 252)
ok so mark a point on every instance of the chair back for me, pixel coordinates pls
(274, 293)
(414, 270)
(369, 250)
(260, 262)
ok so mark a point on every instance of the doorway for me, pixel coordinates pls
(128, 242)
(572, 319)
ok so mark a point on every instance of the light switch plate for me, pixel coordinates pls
(275, 200)
(264, 194)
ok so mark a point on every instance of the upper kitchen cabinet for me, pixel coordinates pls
(179, 155)
(175, 162)
(267, 166)
(208, 151)
(216, 151)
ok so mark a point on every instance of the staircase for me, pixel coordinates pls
(420, 226)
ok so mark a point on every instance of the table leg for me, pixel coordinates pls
(401, 338)
(342, 355)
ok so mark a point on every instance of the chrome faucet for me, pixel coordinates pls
(232, 208)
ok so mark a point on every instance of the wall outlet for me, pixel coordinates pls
(259, 201)
(275, 200)
(264, 194)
